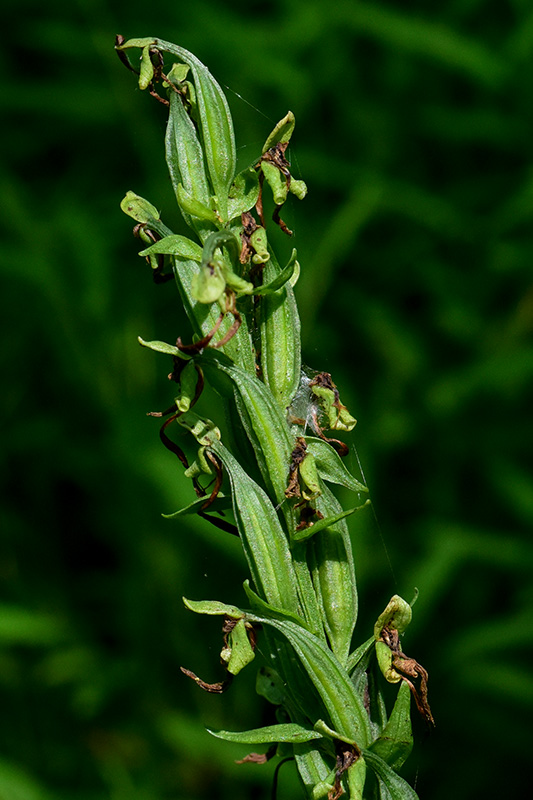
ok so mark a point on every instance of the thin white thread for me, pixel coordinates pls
(376, 521)
(244, 100)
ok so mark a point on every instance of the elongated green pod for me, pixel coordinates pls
(263, 421)
(264, 543)
(356, 779)
(279, 323)
(269, 436)
(333, 572)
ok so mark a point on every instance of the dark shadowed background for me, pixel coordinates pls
(414, 135)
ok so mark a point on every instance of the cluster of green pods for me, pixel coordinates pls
(270, 482)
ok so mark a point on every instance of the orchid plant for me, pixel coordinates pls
(270, 482)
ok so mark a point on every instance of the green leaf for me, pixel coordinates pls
(213, 608)
(359, 655)
(269, 685)
(215, 123)
(221, 503)
(175, 245)
(345, 708)
(397, 787)
(163, 347)
(327, 522)
(395, 742)
(285, 732)
(330, 465)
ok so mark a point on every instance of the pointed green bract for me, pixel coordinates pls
(288, 732)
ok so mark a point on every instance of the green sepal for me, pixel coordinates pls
(276, 181)
(147, 68)
(200, 466)
(259, 241)
(204, 430)
(395, 742)
(238, 284)
(298, 188)
(163, 347)
(327, 522)
(215, 273)
(284, 732)
(281, 133)
(138, 208)
(220, 503)
(269, 685)
(195, 208)
(395, 787)
(239, 652)
(293, 280)
(177, 74)
(243, 193)
(213, 608)
(144, 42)
(330, 465)
(309, 477)
(337, 415)
(218, 239)
(396, 616)
(175, 245)
(188, 383)
(384, 656)
(209, 283)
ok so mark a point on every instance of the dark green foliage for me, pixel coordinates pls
(414, 131)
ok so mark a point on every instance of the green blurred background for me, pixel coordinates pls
(414, 134)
